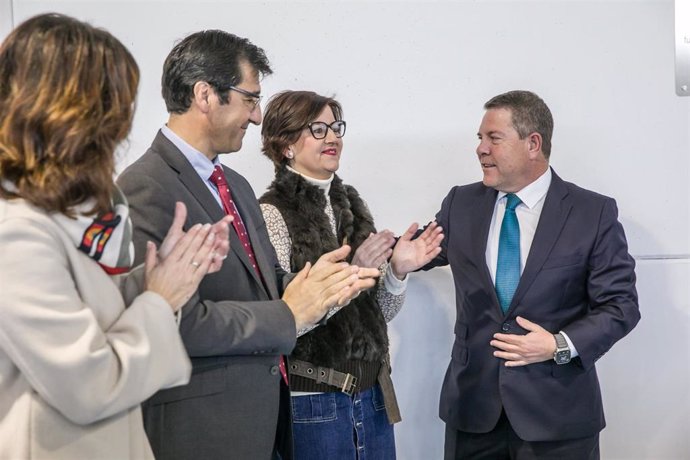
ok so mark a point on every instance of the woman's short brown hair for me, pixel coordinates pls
(286, 115)
(67, 93)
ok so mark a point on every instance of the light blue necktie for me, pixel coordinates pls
(508, 264)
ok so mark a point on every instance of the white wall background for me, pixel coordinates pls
(412, 77)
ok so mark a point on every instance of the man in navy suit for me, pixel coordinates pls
(544, 287)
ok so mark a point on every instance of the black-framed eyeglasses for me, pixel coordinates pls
(319, 129)
(255, 99)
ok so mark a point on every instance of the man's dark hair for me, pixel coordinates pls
(529, 114)
(213, 56)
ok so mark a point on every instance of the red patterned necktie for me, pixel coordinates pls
(218, 179)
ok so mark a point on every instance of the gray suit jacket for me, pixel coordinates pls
(234, 329)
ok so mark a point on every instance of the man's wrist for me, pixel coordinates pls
(562, 353)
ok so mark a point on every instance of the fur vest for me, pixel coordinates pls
(358, 331)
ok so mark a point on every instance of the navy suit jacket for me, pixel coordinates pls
(235, 328)
(578, 277)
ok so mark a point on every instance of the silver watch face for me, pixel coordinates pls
(562, 357)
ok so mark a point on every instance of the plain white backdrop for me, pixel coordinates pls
(412, 77)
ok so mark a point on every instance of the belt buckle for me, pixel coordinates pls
(349, 384)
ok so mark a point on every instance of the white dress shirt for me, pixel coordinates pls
(528, 212)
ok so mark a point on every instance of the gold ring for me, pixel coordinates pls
(196, 264)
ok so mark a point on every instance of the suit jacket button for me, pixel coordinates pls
(505, 327)
(275, 370)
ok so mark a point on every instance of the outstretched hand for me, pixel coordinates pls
(410, 255)
(519, 350)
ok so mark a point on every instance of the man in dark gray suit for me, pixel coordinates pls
(237, 326)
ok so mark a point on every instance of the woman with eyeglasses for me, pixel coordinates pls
(339, 372)
(83, 339)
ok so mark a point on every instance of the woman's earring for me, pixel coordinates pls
(290, 154)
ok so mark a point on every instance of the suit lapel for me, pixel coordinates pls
(267, 269)
(191, 180)
(188, 176)
(481, 223)
(553, 216)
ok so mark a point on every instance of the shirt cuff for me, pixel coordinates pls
(393, 284)
(573, 350)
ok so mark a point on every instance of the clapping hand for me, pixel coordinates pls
(375, 250)
(326, 284)
(177, 276)
(221, 229)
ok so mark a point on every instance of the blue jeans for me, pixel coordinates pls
(335, 426)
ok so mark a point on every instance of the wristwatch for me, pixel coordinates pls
(562, 353)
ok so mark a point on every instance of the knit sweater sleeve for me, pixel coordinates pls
(389, 298)
(278, 234)
(390, 295)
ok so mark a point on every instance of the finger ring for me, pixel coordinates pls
(196, 264)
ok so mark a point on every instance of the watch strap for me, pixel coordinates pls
(561, 343)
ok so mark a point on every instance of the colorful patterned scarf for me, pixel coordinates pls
(107, 239)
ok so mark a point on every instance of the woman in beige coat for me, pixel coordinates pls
(83, 340)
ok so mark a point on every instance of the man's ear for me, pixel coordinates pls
(202, 92)
(534, 144)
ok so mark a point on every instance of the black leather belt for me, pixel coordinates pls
(345, 382)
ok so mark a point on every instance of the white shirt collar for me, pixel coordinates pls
(534, 192)
(200, 162)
